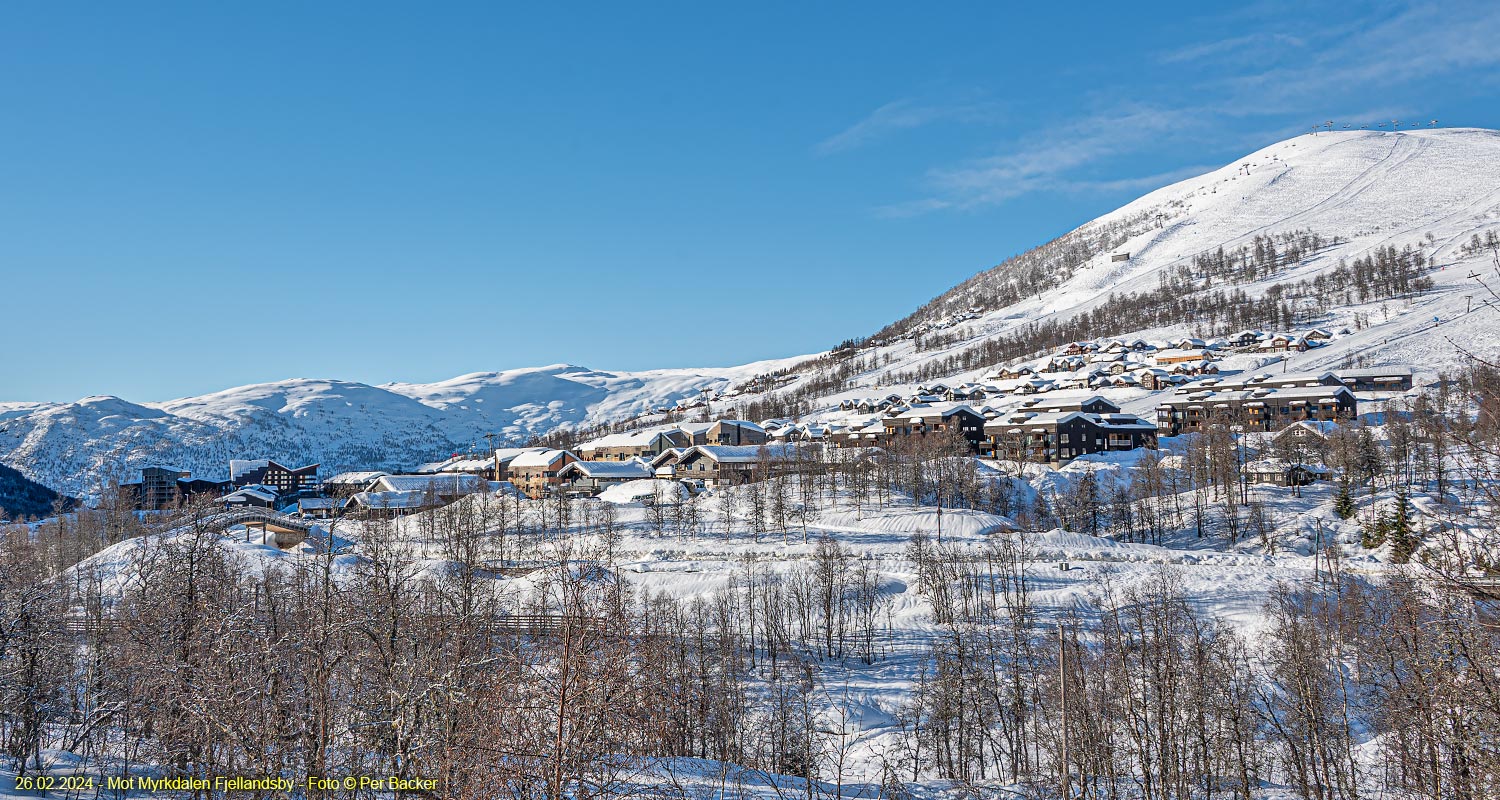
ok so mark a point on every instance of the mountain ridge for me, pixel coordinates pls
(1353, 192)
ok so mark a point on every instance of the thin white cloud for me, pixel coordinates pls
(904, 114)
(1418, 42)
(1253, 89)
(1042, 162)
(1252, 45)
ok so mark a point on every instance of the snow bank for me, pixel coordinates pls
(644, 491)
(907, 521)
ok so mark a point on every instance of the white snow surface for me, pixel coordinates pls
(1067, 571)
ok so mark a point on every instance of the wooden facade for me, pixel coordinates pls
(1059, 437)
(1256, 409)
(538, 474)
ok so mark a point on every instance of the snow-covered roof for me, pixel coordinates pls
(934, 411)
(741, 454)
(1047, 419)
(238, 467)
(632, 469)
(442, 483)
(390, 501)
(1320, 428)
(363, 478)
(508, 455)
(263, 493)
(1191, 394)
(1177, 353)
(1392, 371)
(545, 457)
(633, 439)
(1279, 466)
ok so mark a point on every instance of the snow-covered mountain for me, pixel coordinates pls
(1358, 191)
(78, 446)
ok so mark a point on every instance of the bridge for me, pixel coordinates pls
(285, 530)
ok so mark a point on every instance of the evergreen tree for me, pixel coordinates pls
(1403, 538)
(1343, 505)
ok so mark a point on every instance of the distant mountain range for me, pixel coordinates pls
(80, 446)
(1151, 268)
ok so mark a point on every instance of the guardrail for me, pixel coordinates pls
(527, 625)
(225, 519)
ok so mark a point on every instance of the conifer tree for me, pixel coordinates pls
(1403, 537)
(1343, 504)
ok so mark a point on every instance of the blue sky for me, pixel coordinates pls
(196, 195)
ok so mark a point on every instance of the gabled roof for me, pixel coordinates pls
(389, 501)
(740, 454)
(538, 458)
(239, 467)
(1276, 466)
(669, 455)
(508, 455)
(1392, 371)
(633, 469)
(263, 493)
(1020, 420)
(455, 464)
(942, 410)
(1176, 353)
(446, 483)
(1319, 428)
(632, 439)
(356, 478)
(1195, 394)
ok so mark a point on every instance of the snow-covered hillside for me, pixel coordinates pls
(1429, 189)
(1432, 190)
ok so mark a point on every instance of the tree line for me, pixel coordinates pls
(377, 662)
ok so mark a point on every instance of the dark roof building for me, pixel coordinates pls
(265, 472)
(1191, 410)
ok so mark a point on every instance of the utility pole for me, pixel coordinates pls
(940, 513)
(1317, 546)
(1062, 676)
(489, 441)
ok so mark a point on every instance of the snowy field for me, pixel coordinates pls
(1067, 573)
